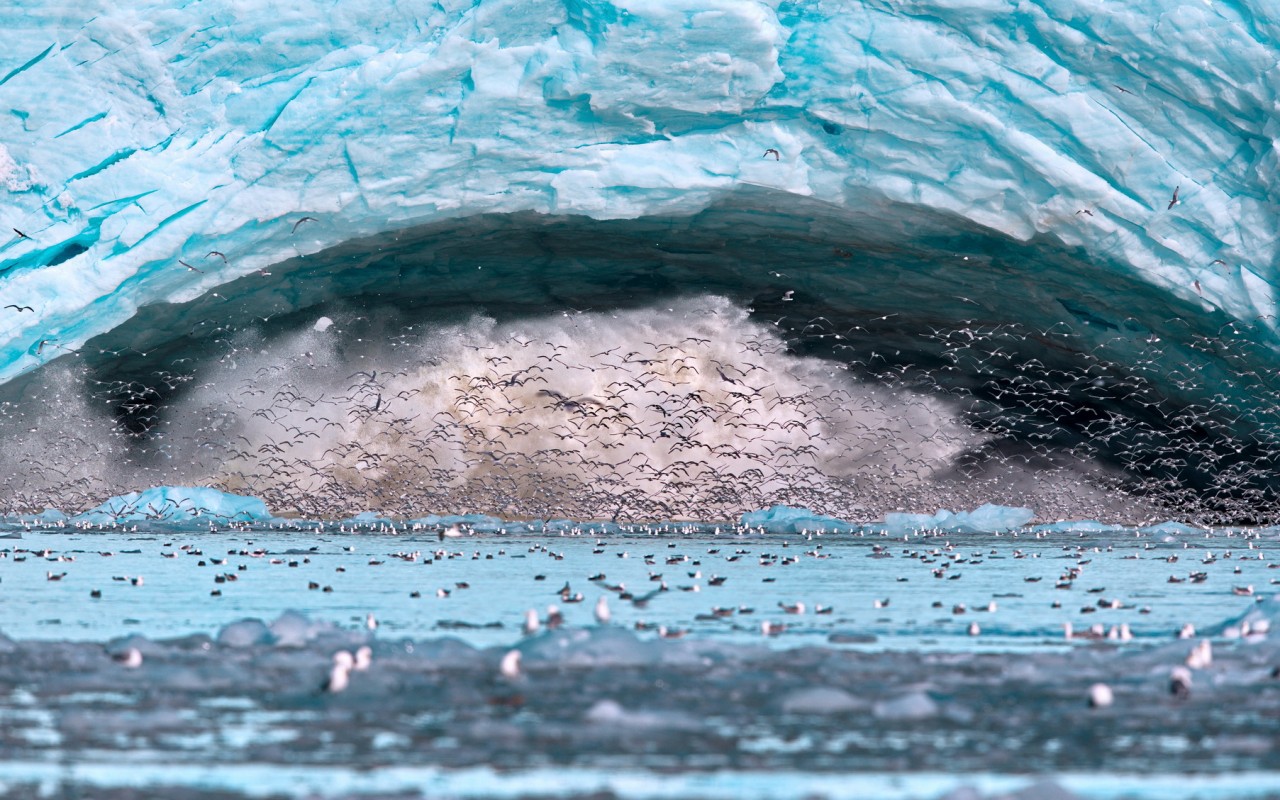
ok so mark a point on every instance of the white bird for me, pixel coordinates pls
(340, 675)
(364, 657)
(1201, 656)
(1120, 633)
(531, 622)
(1100, 695)
(130, 659)
(554, 618)
(1180, 682)
(603, 615)
(510, 667)
(371, 622)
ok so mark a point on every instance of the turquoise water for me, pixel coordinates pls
(667, 700)
(377, 573)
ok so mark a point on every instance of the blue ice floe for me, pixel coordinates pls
(180, 505)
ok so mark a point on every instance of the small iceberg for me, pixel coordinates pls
(983, 519)
(480, 523)
(177, 505)
(790, 519)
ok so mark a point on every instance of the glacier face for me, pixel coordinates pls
(912, 166)
(141, 135)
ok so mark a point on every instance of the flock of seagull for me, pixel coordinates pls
(675, 569)
(697, 413)
(596, 415)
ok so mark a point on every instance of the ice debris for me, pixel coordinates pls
(181, 505)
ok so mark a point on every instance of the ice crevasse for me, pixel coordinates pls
(1110, 167)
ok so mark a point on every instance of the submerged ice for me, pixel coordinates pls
(834, 657)
(1049, 223)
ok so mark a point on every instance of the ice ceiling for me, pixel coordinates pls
(1045, 213)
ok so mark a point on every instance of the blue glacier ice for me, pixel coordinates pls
(784, 519)
(987, 518)
(984, 519)
(1087, 189)
(180, 505)
(142, 135)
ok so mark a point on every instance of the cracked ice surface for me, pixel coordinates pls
(143, 134)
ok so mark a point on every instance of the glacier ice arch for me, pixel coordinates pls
(970, 206)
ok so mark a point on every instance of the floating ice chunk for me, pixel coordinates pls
(291, 629)
(611, 713)
(1042, 790)
(448, 651)
(294, 629)
(1075, 526)
(50, 516)
(368, 519)
(1256, 623)
(1170, 529)
(117, 647)
(983, 519)
(480, 523)
(605, 645)
(245, 633)
(821, 700)
(180, 505)
(789, 519)
(913, 706)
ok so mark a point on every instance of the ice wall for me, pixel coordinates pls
(142, 136)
